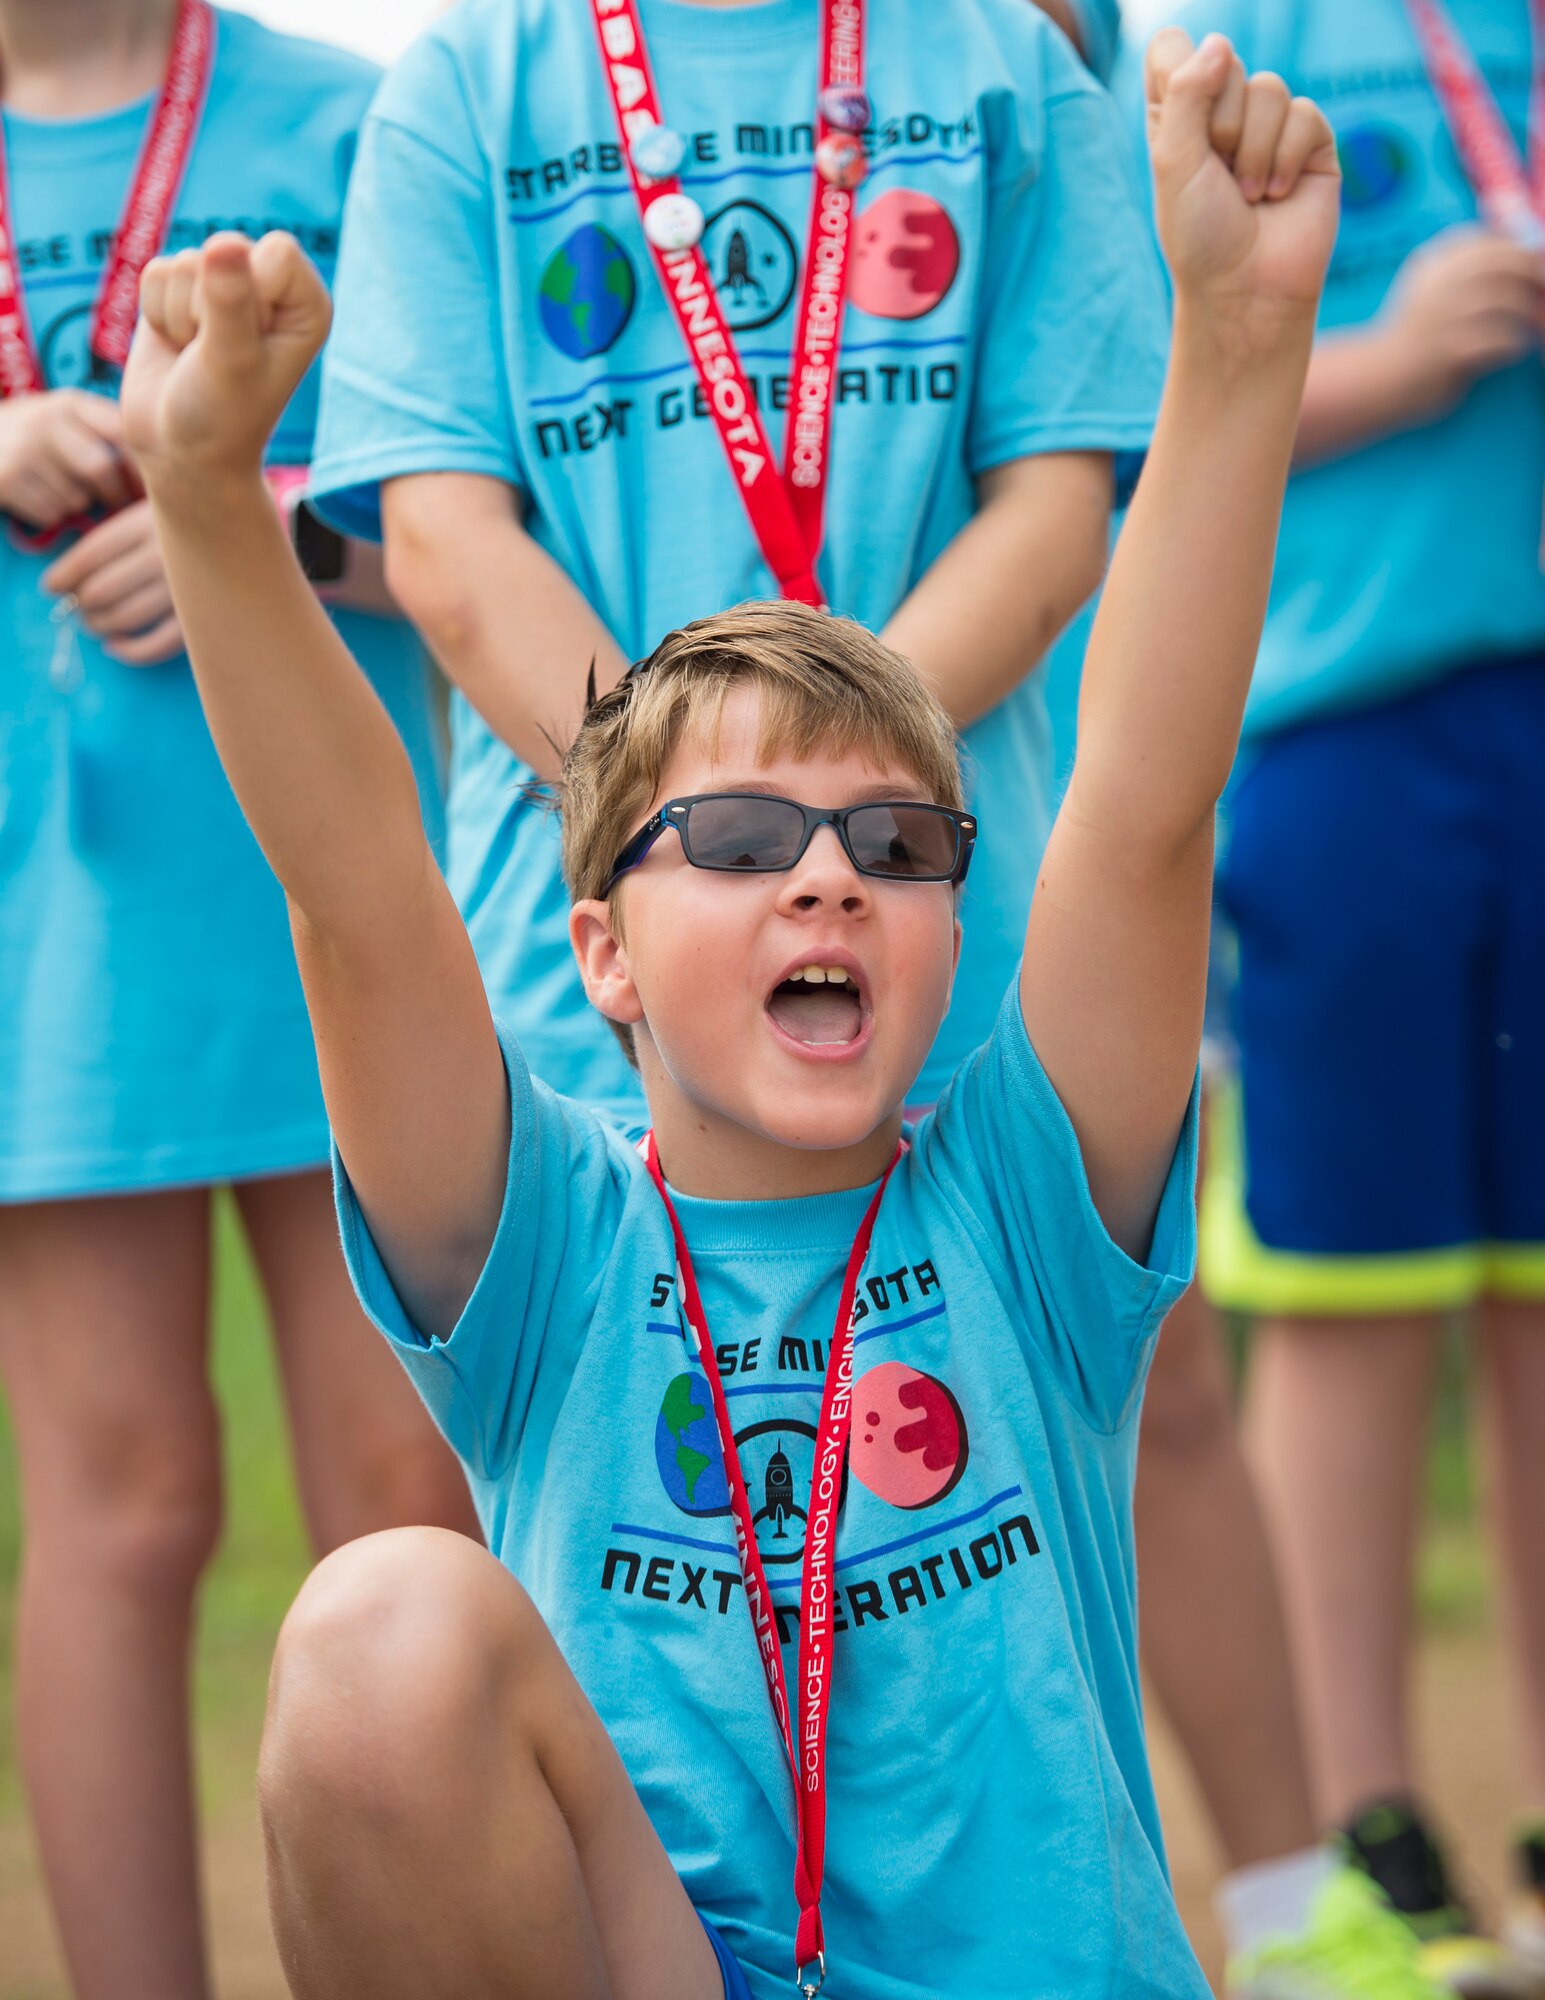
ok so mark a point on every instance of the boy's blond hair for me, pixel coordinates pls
(826, 685)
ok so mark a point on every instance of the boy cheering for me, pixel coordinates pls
(880, 1394)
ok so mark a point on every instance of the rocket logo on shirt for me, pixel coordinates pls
(754, 263)
(909, 1447)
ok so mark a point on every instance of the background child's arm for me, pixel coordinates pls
(495, 609)
(1116, 954)
(410, 1062)
(984, 614)
(1463, 305)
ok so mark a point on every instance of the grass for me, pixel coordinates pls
(262, 1559)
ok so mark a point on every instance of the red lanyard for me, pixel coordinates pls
(1510, 193)
(807, 1760)
(787, 509)
(142, 228)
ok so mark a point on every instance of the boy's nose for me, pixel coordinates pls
(824, 876)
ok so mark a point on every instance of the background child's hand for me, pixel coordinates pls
(117, 581)
(60, 456)
(1462, 305)
(1246, 183)
(225, 335)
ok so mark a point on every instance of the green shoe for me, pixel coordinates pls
(1355, 1948)
(1524, 1929)
(1395, 1845)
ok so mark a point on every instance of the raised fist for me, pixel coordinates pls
(226, 332)
(1246, 182)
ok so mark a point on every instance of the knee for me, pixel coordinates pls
(1188, 1408)
(390, 1671)
(135, 1497)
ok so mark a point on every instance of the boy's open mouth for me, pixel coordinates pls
(818, 1005)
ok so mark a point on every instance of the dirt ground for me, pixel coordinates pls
(1464, 1718)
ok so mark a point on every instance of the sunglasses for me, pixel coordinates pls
(751, 833)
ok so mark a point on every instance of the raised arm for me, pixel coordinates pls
(1116, 955)
(410, 1063)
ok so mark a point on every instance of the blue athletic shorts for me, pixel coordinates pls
(735, 1987)
(1385, 879)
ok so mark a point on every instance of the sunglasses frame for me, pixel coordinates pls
(675, 813)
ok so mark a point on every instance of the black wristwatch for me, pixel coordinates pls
(319, 549)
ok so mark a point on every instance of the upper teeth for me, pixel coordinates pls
(822, 975)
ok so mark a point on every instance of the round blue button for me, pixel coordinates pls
(657, 152)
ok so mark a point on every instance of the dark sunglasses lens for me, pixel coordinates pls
(917, 842)
(741, 832)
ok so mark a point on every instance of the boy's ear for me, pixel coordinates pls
(603, 963)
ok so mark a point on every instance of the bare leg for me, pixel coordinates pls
(1338, 1424)
(1214, 1637)
(103, 1306)
(1513, 1341)
(444, 1812)
(367, 1453)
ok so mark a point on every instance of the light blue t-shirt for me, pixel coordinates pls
(1418, 555)
(152, 1028)
(1099, 34)
(499, 313)
(992, 1830)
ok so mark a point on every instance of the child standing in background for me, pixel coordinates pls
(1385, 872)
(525, 419)
(153, 1039)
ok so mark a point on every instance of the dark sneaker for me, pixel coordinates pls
(1392, 1842)
(1524, 1929)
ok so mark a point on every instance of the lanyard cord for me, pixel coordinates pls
(786, 509)
(804, 1734)
(142, 226)
(1509, 190)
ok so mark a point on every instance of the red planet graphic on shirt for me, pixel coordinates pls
(905, 256)
(908, 1443)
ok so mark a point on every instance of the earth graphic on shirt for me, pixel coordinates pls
(1375, 162)
(587, 292)
(686, 1448)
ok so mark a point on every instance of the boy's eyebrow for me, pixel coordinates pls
(912, 792)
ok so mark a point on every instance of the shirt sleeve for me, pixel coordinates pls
(1073, 314)
(1099, 29)
(413, 378)
(502, 1373)
(1003, 1148)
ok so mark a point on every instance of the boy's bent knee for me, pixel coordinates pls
(393, 1654)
